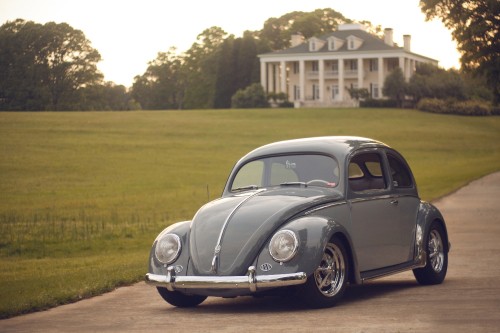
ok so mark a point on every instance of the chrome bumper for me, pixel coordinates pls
(250, 281)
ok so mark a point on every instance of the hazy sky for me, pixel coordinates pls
(128, 34)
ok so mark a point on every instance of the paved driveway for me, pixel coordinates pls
(468, 301)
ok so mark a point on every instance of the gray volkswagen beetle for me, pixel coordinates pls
(309, 216)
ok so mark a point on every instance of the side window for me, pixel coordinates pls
(355, 171)
(365, 173)
(400, 174)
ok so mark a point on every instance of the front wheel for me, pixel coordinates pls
(326, 286)
(180, 300)
(436, 267)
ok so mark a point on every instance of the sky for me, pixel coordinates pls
(128, 34)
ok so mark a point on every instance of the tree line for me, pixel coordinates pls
(54, 67)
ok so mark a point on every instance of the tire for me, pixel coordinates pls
(326, 286)
(180, 300)
(436, 267)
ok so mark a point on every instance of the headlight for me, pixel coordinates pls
(168, 248)
(283, 246)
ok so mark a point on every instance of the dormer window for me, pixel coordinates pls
(334, 43)
(354, 43)
(315, 44)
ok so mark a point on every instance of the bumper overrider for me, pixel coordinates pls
(250, 281)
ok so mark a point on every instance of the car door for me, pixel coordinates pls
(379, 232)
(406, 201)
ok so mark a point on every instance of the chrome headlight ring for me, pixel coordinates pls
(168, 248)
(283, 245)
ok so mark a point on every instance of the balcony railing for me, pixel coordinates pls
(334, 74)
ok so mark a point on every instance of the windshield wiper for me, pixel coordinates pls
(245, 188)
(294, 184)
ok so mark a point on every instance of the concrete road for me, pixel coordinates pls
(468, 301)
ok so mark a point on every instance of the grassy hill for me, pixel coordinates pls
(83, 195)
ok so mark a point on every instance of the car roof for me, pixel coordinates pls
(339, 146)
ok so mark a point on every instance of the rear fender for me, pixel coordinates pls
(427, 214)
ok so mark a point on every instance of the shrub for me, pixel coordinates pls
(378, 103)
(252, 96)
(466, 108)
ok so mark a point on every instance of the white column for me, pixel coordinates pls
(302, 80)
(402, 65)
(283, 77)
(412, 67)
(274, 77)
(361, 72)
(341, 79)
(321, 68)
(263, 75)
(380, 76)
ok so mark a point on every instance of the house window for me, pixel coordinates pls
(392, 64)
(335, 67)
(354, 65)
(315, 66)
(296, 68)
(373, 65)
(313, 46)
(331, 45)
(351, 44)
(335, 91)
(296, 93)
(374, 90)
(315, 91)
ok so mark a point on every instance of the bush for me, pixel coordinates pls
(252, 96)
(466, 108)
(378, 103)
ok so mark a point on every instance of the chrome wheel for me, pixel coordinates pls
(436, 264)
(436, 251)
(331, 272)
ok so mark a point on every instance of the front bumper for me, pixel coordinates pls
(250, 281)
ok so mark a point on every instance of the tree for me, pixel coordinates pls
(201, 69)
(44, 66)
(433, 82)
(237, 68)
(162, 86)
(278, 31)
(475, 26)
(395, 86)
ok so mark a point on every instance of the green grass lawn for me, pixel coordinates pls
(83, 194)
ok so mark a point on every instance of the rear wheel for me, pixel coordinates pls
(326, 286)
(180, 300)
(436, 267)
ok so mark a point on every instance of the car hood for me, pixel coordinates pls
(243, 223)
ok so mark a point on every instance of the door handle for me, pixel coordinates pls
(394, 202)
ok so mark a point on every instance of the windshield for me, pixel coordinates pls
(307, 170)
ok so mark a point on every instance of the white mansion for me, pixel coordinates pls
(317, 72)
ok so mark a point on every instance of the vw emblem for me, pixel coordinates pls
(266, 267)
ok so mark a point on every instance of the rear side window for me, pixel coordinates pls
(401, 176)
(365, 173)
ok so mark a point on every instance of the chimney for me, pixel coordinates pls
(407, 42)
(297, 39)
(388, 36)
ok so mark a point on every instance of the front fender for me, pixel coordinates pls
(313, 233)
(181, 229)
